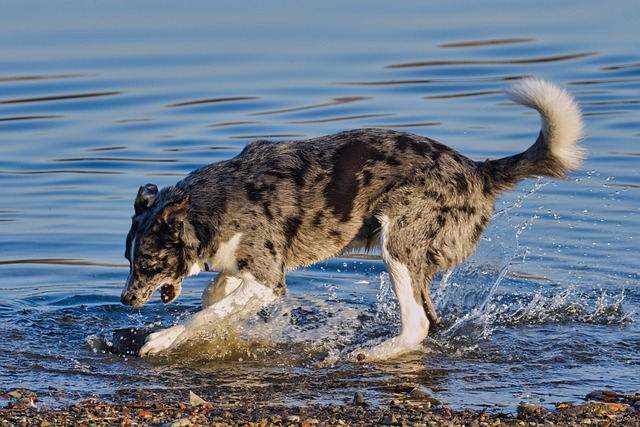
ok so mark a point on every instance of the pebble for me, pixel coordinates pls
(390, 420)
(525, 409)
(194, 399)
(182, 422)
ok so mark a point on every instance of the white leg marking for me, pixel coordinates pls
(225, 257)
(249, 295)
(195, 269)
(219, 288)
(415, 325)
(414, 320)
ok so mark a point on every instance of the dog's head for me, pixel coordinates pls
(158, 246)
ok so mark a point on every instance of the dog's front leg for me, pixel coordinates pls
(219, 288)
(249, 295)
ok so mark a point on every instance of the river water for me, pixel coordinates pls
(98, 98)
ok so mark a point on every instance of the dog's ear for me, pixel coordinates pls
(146, 198)
(175, 213)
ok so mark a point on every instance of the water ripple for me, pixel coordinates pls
(538, 60)
(464, 94)
(60, 261)
(344, 118)
(494, 42)
(62, 97)
(20, 118)
(213, 101)
(336, 101)
(440, 80)
(114, 159)
(44, 77)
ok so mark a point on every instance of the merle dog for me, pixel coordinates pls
(281, 205)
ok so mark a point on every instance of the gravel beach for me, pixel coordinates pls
(24, 408)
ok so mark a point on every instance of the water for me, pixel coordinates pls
(97, 99)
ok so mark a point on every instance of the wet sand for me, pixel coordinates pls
(24, 408)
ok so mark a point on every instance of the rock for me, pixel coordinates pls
(358, 398)
(276, 419)
(194, 399)
(603, 395)
(293, 419)
(525, 409)
(390, 420)
(182, 422)
(128, 341)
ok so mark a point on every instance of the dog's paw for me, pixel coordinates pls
(388, 349)
(163, 340)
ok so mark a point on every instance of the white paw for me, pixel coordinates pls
(388, 349)
(163, 340)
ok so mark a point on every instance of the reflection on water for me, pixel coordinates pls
(553, 285)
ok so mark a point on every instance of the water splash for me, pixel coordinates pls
(466, 290)
(387, 309)
(471, 311)
(597, 307)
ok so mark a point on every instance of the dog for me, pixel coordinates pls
(280, 205)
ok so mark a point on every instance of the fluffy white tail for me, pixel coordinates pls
(557, 150)
(562, 124)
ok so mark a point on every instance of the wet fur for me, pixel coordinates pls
(281, 205)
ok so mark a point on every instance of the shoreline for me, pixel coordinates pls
(24, 408)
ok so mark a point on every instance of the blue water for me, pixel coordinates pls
(97, 99)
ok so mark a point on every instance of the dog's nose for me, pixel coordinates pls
(127, 298)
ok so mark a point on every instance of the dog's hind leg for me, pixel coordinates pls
(429, 308)
(413, 312)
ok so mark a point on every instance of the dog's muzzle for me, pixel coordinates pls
(139, 297)
(132, 299)
(133, 295)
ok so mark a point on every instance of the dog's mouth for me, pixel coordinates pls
(168, 293)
